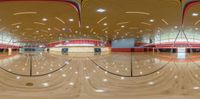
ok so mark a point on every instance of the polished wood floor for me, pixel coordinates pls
(107, 76)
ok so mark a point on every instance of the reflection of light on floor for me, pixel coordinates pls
(151, 83)
(175, 77)
(99, 90)
(66, 62)
(45, 84)
(106, 72)
(76, 72)
(105, 80)
(196, 88)
(122, 78)
(64, 75)
(71, 83)
(181, 53)
(18, 77)
(49, 75)
(87, 77)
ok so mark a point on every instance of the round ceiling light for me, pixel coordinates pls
(71, 20)
(101, 10)
(195, 14)
(44, 19)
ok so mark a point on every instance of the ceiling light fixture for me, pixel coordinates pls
(63, 29)
(102, 19)
(87, 27)
(151, 20)
(71, 20)
(105, 29)
(101, 10)
(16, 23)
(20, 13)
(122, 23)
(130, 12)
(164, 21)
(60, 20)
(197, 22)
(39, 23)
(56, 29)
(122, 26)
(146, 23)
(91, 30)
(17, 26)
(105, 24)
(195, 14)
(44, 19)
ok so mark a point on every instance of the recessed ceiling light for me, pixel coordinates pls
(63, 29)
(71, 20)
(122, 26)
(101, 10)
(105, 24)
(17, 26)
(196, 28)
(49, 29)
(175, 27)
(87, 27)
(151, 20)
(195, 14)
(44, 19)
(37, 31)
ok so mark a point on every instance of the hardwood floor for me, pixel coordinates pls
(107, 76)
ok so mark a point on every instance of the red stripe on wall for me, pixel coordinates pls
(121, 49)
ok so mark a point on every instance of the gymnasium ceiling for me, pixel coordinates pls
(51, 20)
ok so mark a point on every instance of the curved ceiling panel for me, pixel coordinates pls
(128, 18)
(52, 20)
(39, 21)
